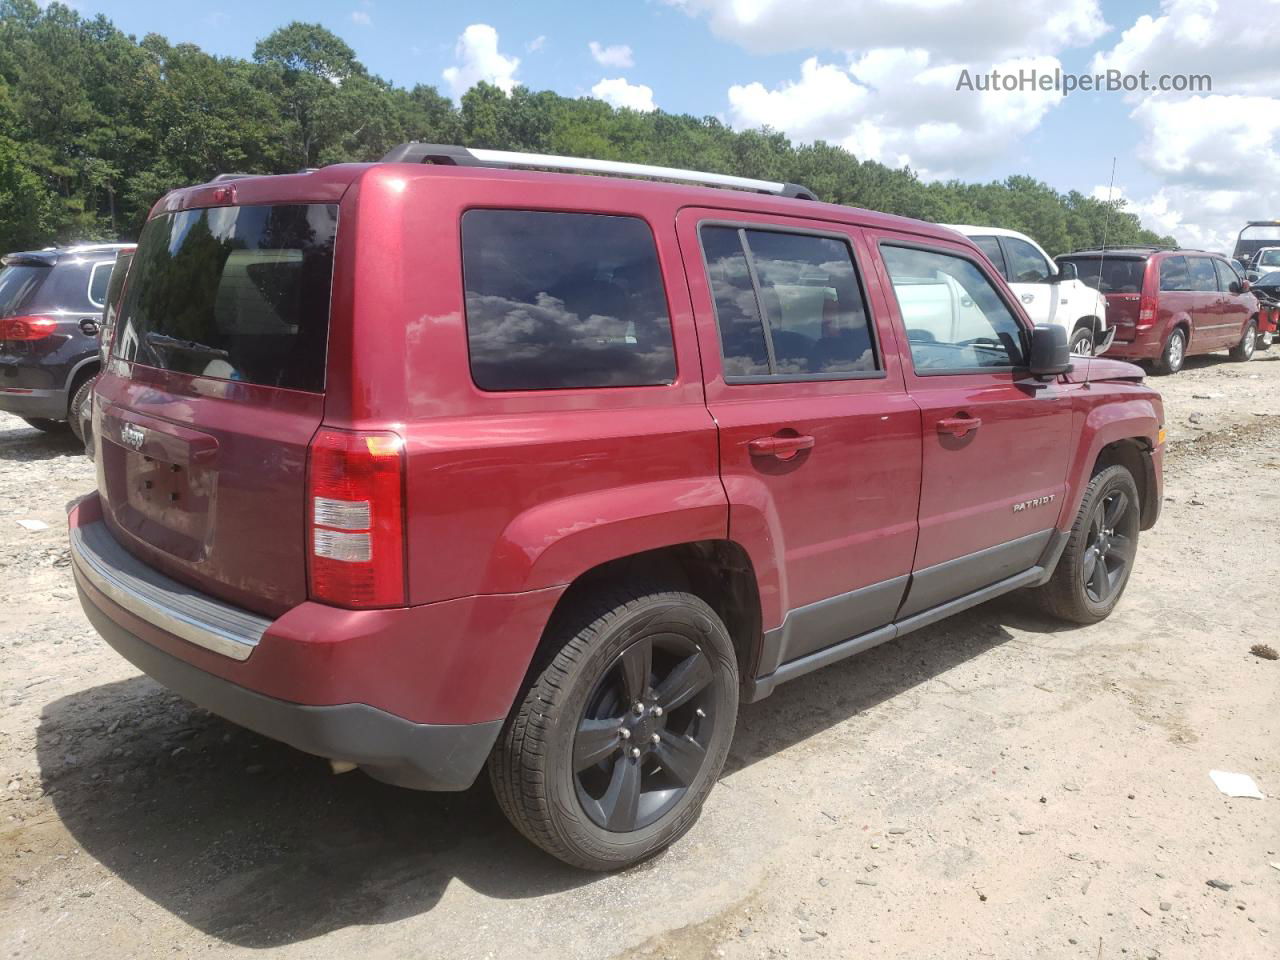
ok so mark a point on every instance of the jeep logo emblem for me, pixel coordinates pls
(132, 436)
(1037, 502)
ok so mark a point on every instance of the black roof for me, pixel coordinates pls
(1136, 251)
(50, 255)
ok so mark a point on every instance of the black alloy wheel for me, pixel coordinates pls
(1112, 545)
(643, 737)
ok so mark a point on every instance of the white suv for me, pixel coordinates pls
(1048, 295)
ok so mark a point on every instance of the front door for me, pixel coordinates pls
(819, 442)
(1030, 278)
(995, 441)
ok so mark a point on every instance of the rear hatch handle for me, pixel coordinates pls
(158, 439)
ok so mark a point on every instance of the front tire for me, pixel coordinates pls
(1095, 565)
(1243, 351)
(1082, 343)
(610, 755)
(1174, 354)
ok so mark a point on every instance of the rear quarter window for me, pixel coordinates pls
(564, 300)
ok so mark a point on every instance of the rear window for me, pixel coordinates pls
(17, 283)
(1112, 275)
(559, 300)
(237, 293)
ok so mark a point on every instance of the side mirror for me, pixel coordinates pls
(1050, 353)
(1067, 271)
(1238, 286)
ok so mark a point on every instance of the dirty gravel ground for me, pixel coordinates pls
(995, 786)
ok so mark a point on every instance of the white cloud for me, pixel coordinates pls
(479, 60)
(361, 17)
(897, 106)
(537, 43)
(1217, 161)
(615, 55)
(950, 29)
(1234, 43)
(619, 93)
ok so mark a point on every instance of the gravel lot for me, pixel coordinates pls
(994, 786)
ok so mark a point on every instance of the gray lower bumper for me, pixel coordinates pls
(418, 755)
(38, 404)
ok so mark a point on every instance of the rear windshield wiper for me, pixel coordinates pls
(166, 342)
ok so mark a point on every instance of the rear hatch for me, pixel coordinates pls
(22, 275)
(1119, 279)
(213, 393)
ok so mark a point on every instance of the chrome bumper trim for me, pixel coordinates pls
(160, 601)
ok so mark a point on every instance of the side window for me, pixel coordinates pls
(742, 343)
(1226, 275)
(815, 320)
(1173, 275)
(1026, 265)
(99, 277)
(991, 247)
(955, 320)
(1203, 278)
(561, 300)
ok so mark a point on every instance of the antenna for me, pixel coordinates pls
(1106, 223)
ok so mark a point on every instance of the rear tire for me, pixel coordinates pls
(1242, 352)
(46, 426)
(1174, 354)
(78, 400)
(1094, 569)
(565, 772)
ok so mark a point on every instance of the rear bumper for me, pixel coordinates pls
(1141, 349)
(424, 756)
(36, 404)
(416, 696)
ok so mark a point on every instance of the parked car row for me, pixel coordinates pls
(1169, 304)
(448, 463)
(1144, 303)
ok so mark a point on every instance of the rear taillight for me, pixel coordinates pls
(1146, 311)
(355, 506)
(27, 328)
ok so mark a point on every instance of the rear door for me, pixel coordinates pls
(213, 392)
(995, 442)
(1212, 330)
(1236, 310)
(819, 442)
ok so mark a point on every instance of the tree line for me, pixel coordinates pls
(95, 125)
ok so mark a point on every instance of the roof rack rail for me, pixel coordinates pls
(448, 155)
(1135, 246)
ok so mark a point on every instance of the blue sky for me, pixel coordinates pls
(876, 75)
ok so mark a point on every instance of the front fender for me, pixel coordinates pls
(555, 542)
(1111, 412)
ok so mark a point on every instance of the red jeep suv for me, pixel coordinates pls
(437, 462)
(1167, 305)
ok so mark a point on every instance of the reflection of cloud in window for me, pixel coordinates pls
(520, 345)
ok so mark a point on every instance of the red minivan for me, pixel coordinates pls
(1167, 305)
(440, 461)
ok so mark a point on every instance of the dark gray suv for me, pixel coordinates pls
(51, 304)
